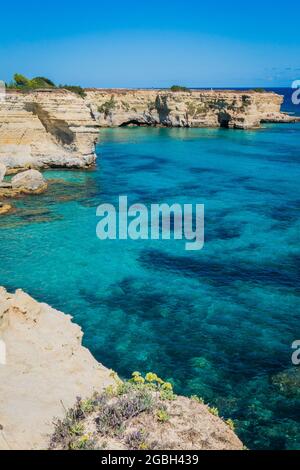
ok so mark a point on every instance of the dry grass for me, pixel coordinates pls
(141, 414)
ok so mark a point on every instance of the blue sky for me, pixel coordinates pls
(152, 44)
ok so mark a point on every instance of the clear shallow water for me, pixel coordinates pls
(218, 323)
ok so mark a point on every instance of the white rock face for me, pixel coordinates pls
(30, 180)
(202, 108)
(2, 171)
(47, 128)
(46, 369)
(57, 128)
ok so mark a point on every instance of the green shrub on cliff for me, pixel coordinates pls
(74, 89)
(112, 410)
(179, 88)
(107, 106)
(20, 82)
(24, 83)
(41, 82)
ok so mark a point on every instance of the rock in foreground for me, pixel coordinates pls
(143, 414)
(47, 368)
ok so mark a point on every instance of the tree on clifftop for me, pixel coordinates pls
(20, 80)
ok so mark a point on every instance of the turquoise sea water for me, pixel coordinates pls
(219, 322)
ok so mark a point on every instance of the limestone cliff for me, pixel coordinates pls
(46, 128)
(46, 368)
(233, 109)
(57, 128)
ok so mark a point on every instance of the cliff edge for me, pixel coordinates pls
(195, 108)
(57, 128)
(45, 128)
(44, 368)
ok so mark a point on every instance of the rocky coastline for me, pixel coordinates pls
(57, 128)
(47, 369)
(191, 108)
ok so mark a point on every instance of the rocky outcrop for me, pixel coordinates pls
(46, 128)
(233, 109)
(143, 416)
(5, 208)
(44, 368)
(57, 128)
(24, 182)
(30, 181)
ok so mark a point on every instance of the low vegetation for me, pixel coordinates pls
(74, 89)
(179, 88)
(141, 413)
(107, 106)
(22, 83)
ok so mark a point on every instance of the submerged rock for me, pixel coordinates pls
(31, 181)
(5, 208)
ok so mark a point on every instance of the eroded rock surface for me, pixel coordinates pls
(46, 369)
(57, 128)
(46, 128)
(203, 108)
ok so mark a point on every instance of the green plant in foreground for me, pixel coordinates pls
(197, 399)
(162, 415)
(113, 413)
(213, 410)
(85, 442)
(88, 406)
(230, 423)
(137, 440)
(77, 429)
(155, 383)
